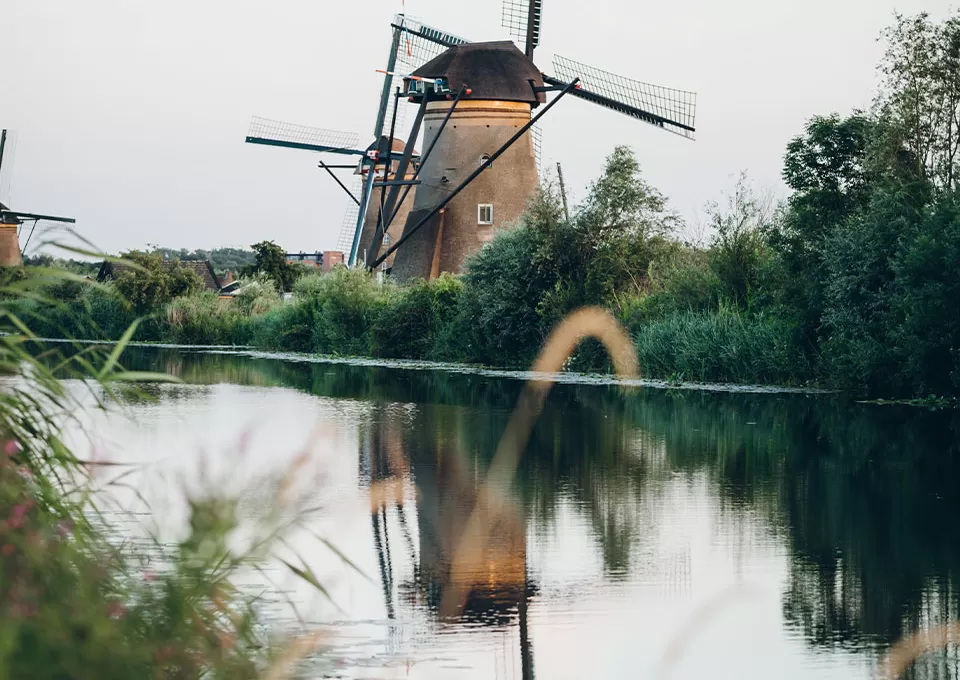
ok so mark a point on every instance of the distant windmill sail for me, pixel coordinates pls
(294, 136)
(8, 148)
(523, 18)
(670, 109)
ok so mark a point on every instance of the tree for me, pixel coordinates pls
(270, 260)
(829, 169)
(153, 282)
(620, 228)
(920, 95)
(739, 241)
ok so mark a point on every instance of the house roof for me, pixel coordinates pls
(492, 70)
(202, 268)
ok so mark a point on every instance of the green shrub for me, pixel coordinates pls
(346, 306)
(151, 283)
(203, 319)
(729, 346)
(411, 318)
(288, 327)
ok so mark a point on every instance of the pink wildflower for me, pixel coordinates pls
(12, 447)
(7, 550)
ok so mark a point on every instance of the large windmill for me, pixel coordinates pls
(475, 103)
(483, 168)
(12, 222)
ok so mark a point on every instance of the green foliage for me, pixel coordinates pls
(411, 318)
(739, 245)
(920, 96)
(827, 169)
(346, 305)
(928, 273)
(270, 261)
(204, 319)
(729, 346)
(81, 267)
(152, 282)
(223, 259)
(682, 280)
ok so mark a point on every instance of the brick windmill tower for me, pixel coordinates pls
(505, 87)
(478, 103)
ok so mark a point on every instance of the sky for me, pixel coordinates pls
(131, 115)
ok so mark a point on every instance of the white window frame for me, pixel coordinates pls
(480, 214)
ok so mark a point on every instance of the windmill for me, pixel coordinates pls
(480, 166)
(11, 221)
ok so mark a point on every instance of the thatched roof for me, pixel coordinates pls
(202, 268)
(493, 70)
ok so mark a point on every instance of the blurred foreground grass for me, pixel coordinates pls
(78, 601)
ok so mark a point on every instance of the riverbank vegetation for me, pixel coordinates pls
(852, 281)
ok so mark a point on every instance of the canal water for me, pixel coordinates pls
(648, 532)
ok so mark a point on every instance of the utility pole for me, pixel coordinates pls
(563, 192)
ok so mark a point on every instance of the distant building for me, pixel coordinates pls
(324, 261)
(202, 268)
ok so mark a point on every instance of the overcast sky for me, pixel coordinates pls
(130, 115)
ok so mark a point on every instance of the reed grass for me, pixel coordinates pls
(729, 346)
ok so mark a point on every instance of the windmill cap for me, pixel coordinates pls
(495, 71)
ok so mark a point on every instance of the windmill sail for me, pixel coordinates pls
(415, 43)
(348, 226)
(8, 146)
(293, 136)
(669, 109)
(522, 18)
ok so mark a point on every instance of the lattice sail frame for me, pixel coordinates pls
(675, 109)
(348, 225)
(6, 167)
(419, 43)
(279, 131)
(516, 19)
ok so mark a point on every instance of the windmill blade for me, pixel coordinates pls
(8, 148)
(293, 136)
(536, 134)
(669, 109)
(415, 43)
(348, 226)
(14, 216)
(522, 18)
(425, 38)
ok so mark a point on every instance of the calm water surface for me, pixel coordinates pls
(653, 533)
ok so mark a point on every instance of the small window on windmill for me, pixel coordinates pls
(484, 158)
(485, 214)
